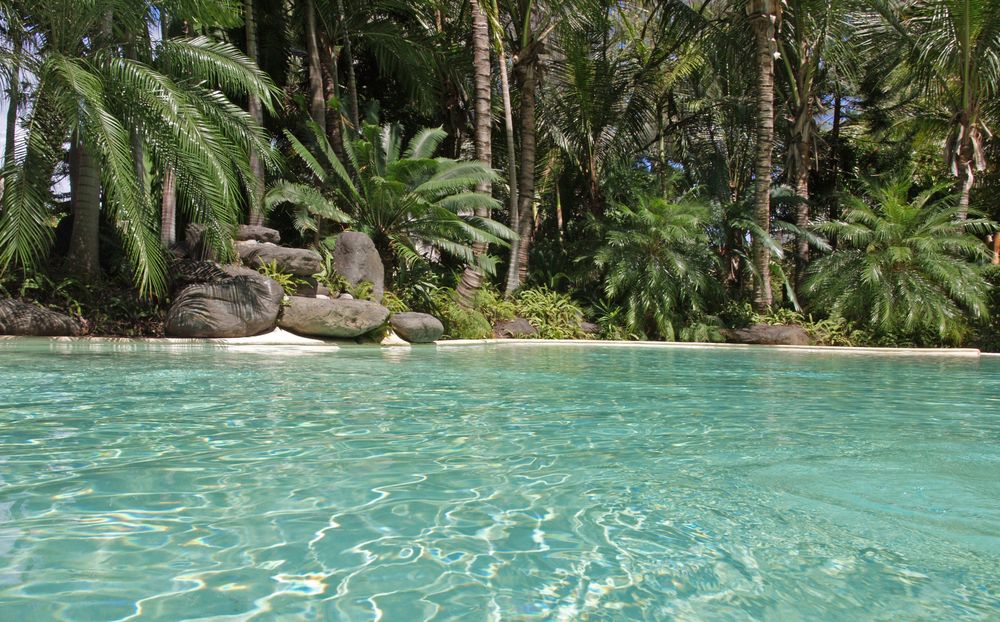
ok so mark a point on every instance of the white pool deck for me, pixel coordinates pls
(280, 340)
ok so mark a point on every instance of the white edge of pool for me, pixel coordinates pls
(285, 341)
(934, 352)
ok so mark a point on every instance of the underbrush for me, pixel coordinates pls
(108, 308)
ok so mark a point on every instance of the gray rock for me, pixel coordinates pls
(417, 327)
(763, 334)
(322, 317)
(307, 287)
(356, 259)
(239, 306)
(28, 320)
(513, 329)
(590, 328)
(258, 233)
(297, 261)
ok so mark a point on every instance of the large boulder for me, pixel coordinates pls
(763, 334)
(514, 329)
(356, 259)
(196, 244)
(417, 327)
(28, 320)
(324, 317)
(238, 306)
(297, 261)
(258, 233)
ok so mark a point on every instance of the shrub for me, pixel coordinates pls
(555, 315)
(459, 323)
(903, 268)
(288, 282)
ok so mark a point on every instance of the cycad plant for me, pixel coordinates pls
(122, 106)
(903, 265)
(659, 265)
(410, 203)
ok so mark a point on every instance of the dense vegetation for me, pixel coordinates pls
(661, 169)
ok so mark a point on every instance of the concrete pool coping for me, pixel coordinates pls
(286, 341)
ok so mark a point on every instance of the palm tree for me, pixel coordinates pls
(948, 50)
(765, 18)
(172, 102)
(659, 265)
(410, 203)
(816, 37)
(471, 278)
(903, 265)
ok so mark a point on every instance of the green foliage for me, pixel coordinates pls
(288, 282)
(493, 306)
(400, 195)
(173, 101)
(459, 323)
(659, 266)
(394, 303)
(106, 309)
(555, 315)
(902, 266)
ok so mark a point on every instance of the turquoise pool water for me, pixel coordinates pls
(513, 483)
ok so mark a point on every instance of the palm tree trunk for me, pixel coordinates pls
(526, 184)
(331, 85)
(317, 106)
(352, 81)
(256, 212)
(168, 208)
(802, 166)
(508, 122)
(764, 31)
(14, 100)
(964, 170)
(482, 77)
(835, 152)
(85, 186)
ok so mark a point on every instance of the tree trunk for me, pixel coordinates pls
(85, 185)
(352, 81)
(835, 155)
(802, 166)
(256, 200)
(14, 99)
(168, 209)
(331, 84)
(965, 179)
(518, 270)
(508, 120)
(764, 31)
(317, 106)
(472, 277)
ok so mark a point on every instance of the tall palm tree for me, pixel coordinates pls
(174, 100)
(816, 36)
(948, 50)
(765, 19)
(483, 120)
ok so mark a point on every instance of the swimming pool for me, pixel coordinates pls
(498, 482)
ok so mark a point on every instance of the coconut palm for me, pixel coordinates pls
(765, 18)
(948, 50)
(659, 265)
(116, 103)
(410, 203)
(901, 264)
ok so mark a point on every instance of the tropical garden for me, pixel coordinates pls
(620, 170)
